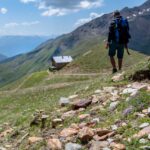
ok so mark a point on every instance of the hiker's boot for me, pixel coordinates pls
(114, 70)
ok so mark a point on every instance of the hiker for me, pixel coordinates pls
(118, 39)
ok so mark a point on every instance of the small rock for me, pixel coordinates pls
(114, 127)
(2, 148)
(56, 122)
(117, 146)
(44, 116)
(54, 144)
(104, 137)
(144, 125)
(97, 145)
(67, 132)
(73, 97)
(109, 89)
(129, 91)
(134, 94)
(85, 134)
(143, 132)
(118, 77)
(145, 147)
(98, 91)
(127, 111)
(84, 116)
(33, 140)
(96, 120)
(149, 110)
(149, 136)
(139, 86)
(113, 105)
(81, 104)
(72, 146)
(143, 141)
(4, 133)
(68, 114)
(64, 101)
(102, 132)
(106, 148)
(110, 140)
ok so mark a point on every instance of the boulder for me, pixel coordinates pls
(54, 144)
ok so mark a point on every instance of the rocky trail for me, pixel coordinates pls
(97, 122)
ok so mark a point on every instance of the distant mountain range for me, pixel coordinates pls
(87, 37)
(2, 57)
(14, 45)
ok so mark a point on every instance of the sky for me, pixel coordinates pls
(53, 17)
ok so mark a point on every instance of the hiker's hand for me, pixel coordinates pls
(107, 45)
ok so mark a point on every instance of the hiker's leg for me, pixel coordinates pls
(120, 53)
(112, 53)
(113, 63)
(120, 63)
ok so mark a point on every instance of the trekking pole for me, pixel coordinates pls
(126, 47)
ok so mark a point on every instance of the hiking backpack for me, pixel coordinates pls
(121, 30)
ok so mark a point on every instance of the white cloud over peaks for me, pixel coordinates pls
(85, 20)
(27, 1)
(63, 7)
(15, 24)
(3, 10)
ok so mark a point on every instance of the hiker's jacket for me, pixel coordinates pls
(119, 31)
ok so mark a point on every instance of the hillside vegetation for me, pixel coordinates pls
(40, 92)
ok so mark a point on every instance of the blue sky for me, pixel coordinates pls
(53, 17)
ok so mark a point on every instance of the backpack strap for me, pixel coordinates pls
(117, 30)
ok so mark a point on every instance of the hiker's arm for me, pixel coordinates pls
(109, 36)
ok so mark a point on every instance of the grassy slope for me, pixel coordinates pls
(17, 108)
(39, 60)
(97, 59)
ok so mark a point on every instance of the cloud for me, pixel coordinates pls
(63, 7)
(27, 1)
(15, 24)
(3, 10)
(92, 16)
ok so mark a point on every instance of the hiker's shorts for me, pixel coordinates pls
(113, 47)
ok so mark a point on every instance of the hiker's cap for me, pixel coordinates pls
(116, 13)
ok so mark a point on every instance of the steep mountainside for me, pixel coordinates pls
(83, 39)
(14, 45)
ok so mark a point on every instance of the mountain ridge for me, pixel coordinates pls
(79, 41)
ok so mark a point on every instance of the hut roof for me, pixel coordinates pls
(62, 59)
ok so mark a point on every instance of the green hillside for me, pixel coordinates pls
(95, 61)
(41, 91)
